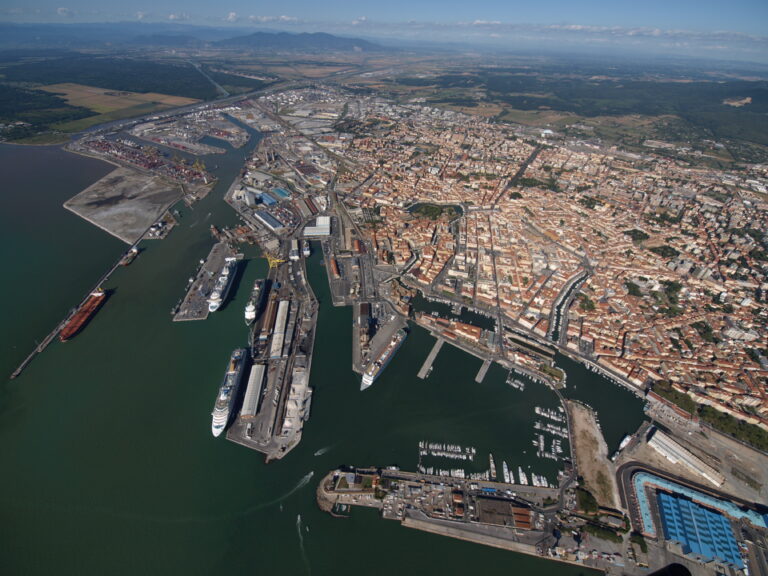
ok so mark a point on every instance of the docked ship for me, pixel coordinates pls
(493, 468)
(80, 318)
(223, 284)
(224, 405)
(376, 367)
(305, 249)
(252, 308)
(505, 471)
(129, 256)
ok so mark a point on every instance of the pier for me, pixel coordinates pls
(51, 335)
(195, 303)
(482, 372)
(427, 366)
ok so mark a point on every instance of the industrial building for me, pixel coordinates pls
(268, 220)
(278, 337)
(321, 228)
(702, 533)
(676, 454)
(253, 391)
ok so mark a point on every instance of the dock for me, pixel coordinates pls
(482, 372)
(195, 303)
(427, 366)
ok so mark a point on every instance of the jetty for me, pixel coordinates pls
(425, 368)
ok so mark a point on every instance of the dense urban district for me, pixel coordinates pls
(647, 269)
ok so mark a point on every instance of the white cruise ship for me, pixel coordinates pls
(224, 405)
(376, 367)
(223, 284)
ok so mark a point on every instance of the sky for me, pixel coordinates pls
(709, 25)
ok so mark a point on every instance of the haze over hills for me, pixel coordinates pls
(112, 35)
(302, 41)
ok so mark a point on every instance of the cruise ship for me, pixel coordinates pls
(228, 392)
(376, 367)
(223, 283)
(252, 308)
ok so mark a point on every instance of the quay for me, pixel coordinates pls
(427, 366)
(195, 303)
(483, 371)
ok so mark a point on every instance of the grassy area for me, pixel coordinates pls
(586, 501)
(434, 211)
(665, 390)
(603, 533)
(637, 538)
(48, 139)
(744, 431)
(83, 123)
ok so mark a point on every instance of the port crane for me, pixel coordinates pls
(274, 261)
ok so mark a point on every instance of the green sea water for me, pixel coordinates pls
(108, 463)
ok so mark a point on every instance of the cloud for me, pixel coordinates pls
(178, 16)
(140, 15)
(486, 23)
(360, 20)
(232, 17)
(270, 19)
(65, 12)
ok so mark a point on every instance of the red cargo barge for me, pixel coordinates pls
(83, 315)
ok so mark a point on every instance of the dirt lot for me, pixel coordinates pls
(125, 202)
(591, 454)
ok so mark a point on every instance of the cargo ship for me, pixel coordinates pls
(129, 256)
(376, 367)
(252, 308)
(223, 284)
(224, 405)
(83, 315)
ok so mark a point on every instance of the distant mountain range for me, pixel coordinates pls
(133, 35)
(283, 41)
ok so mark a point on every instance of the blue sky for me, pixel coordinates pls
(716, 28)
(746, 16)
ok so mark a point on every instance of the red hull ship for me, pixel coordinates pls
(83, 314)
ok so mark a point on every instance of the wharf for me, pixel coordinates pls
(483, 371)
(427, 366)
(195, 303)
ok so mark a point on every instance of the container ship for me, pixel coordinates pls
(252, 308)
(223, 284)
(376, 367)
(129, 256)
(224, 405)
(83, 315)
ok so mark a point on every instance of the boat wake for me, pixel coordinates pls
(301, 543)
(322, 451)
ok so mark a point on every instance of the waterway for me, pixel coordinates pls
(109, 466)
